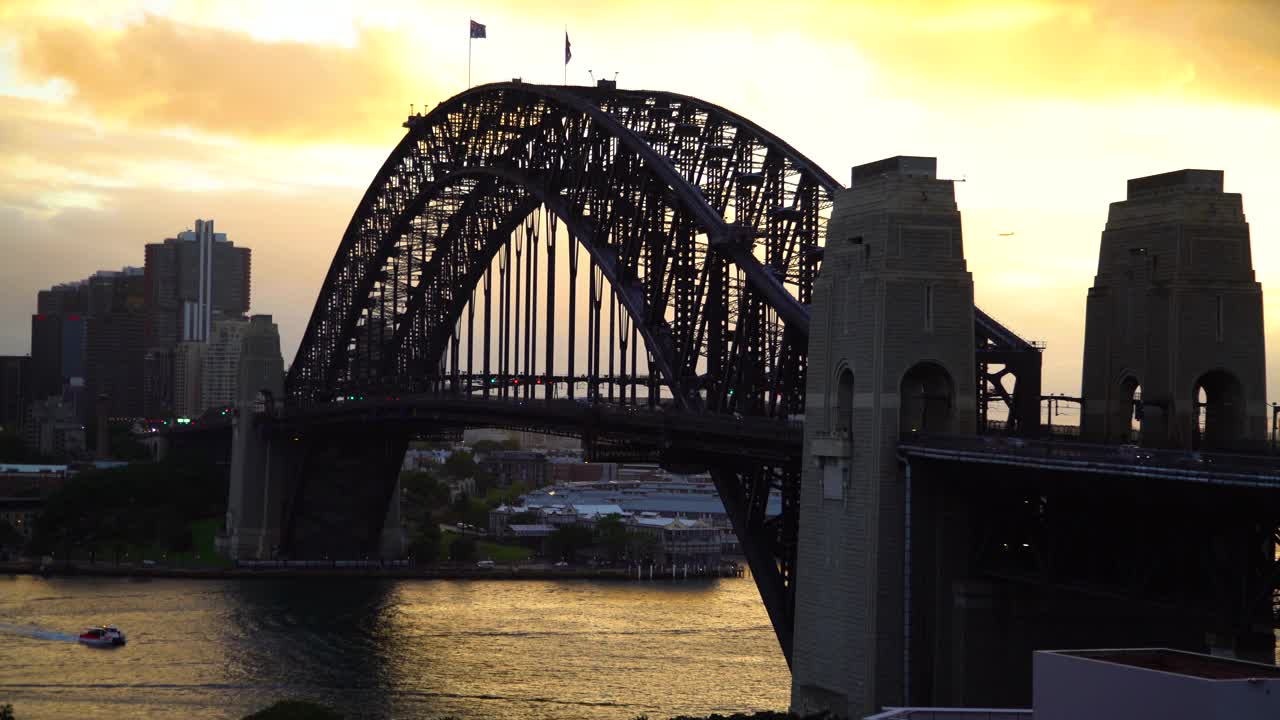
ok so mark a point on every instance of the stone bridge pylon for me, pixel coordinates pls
(891, 352)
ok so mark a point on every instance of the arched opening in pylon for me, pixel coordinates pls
(1219, 411)
(926, 400)
(843, 421)
(1128, 411)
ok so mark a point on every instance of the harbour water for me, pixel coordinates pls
(389, 648)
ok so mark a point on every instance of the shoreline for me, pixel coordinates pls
(393, 573)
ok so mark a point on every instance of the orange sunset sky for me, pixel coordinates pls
(122, 122)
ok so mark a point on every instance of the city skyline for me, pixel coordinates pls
(1036, 105)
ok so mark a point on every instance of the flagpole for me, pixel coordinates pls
(469, 55)
(566, 62)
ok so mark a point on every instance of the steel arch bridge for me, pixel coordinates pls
(703, 233)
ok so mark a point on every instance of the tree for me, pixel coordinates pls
(566, 540)
(460, 464)
(613, 535)
(174, 535)
(6, 712)
(462, 548)
(644, 546)
(132, 506)
(423, 497)
(425, 545)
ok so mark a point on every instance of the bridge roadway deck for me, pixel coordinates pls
(766, 439)
(1258, 472)
(723, 436)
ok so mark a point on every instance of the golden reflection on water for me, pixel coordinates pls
(498, 649)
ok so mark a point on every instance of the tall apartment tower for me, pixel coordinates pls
(221, 372)
(891, 352)
(114, 341)
(58, 337)
(1174, 351)
(192, 281)
(188, 379)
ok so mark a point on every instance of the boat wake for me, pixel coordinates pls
(36, 633)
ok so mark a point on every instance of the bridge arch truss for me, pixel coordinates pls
(703, 234)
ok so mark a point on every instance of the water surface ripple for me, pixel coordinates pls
(506, 650)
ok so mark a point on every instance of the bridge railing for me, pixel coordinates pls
(1261, 466)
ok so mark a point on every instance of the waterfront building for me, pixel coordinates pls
(665, 498)
(500, 518)
(681, 542)
(675, 541)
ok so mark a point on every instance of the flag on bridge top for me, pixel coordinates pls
(568, 54)
(477, 30)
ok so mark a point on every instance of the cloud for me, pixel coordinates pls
(159, 73)
(1197, 49)
(974, 49)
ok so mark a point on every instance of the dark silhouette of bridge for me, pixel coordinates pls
(720, 324)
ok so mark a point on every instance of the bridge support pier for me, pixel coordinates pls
(392, 544)
(344, 501)
(262, 461)
(891, 351)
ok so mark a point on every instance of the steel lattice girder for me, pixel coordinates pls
(596, 136)
(708, 228)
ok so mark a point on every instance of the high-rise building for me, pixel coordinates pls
(54, 428)
(158, 382)
(15, 380)
(58, 335)
(57, 353)
(87, 340)
(222, 364)
(114, 341)
(188, 367)
(192, 281)
(67, 298)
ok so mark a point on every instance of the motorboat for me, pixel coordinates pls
(102, 636)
